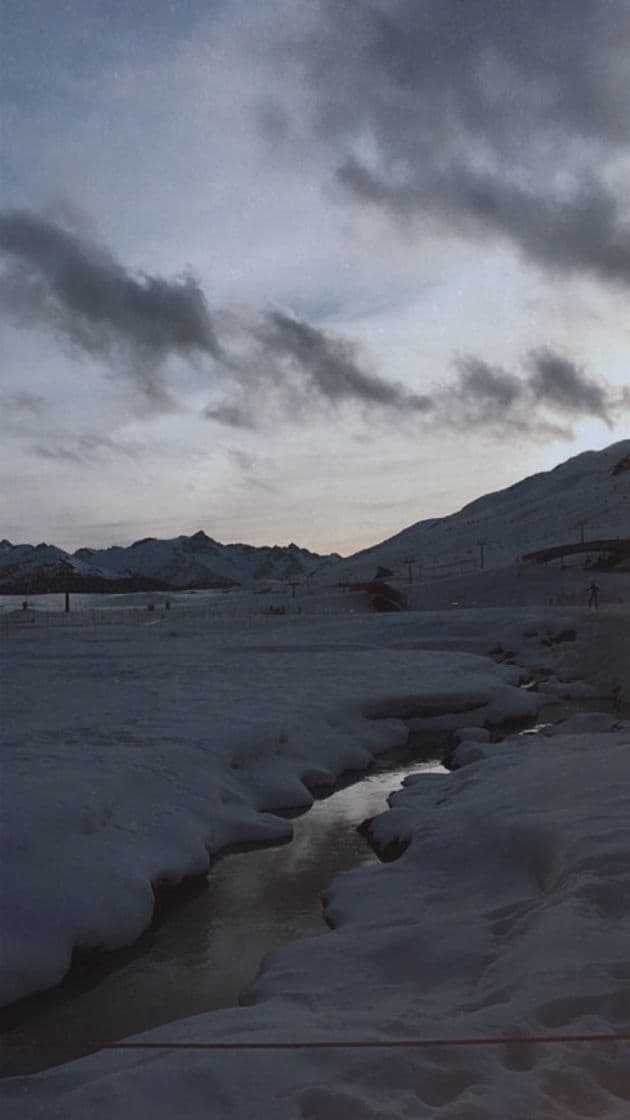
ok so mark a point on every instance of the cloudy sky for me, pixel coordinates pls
(305, 270)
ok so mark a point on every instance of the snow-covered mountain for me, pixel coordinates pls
(149, 565)
(586, 498)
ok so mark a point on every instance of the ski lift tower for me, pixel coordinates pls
(483, 544)
(409, 561)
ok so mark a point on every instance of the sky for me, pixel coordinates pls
(305, 270)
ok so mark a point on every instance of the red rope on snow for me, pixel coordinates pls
(358, 1044)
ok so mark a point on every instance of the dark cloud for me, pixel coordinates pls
(265, 368)
(489, 398)
(287, 367)
(482, 115)
(230, 413)
(558, 382)
(582, 229)
(279, 363)
(330, 366)
(538, 403)
(61, 280)
(491, 389)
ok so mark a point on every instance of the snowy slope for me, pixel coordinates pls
(589, 495)
(196, 561)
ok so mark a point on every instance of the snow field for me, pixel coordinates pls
(507, 914)
(133, 755)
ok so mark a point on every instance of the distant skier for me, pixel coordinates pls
(593, 595)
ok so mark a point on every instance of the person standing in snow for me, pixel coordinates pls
(593, 597)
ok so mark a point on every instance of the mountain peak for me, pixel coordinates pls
(143, 540)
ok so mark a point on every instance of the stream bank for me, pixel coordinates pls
(211, 934)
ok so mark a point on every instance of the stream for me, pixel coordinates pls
(208, 946)
(211, 934)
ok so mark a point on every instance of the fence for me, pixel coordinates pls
(249, 614)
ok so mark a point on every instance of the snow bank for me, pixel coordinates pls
(599, 662)
(507, 915)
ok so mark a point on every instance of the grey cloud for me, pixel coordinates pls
(482, 115)
(331, 366)
(250, 470)
(230, 413)
(492, 399)
(288, 367)
(22, 403)
(490, 387)
(21, 412)
(90, 448)
(240, 459)
(59, 279)
(583, 229)
(557, 381)
(536, 403)
(277, 362)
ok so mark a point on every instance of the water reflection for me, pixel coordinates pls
(210, 947)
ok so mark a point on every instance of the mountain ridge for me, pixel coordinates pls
(150, 564)
(587, 494)
(585, 497)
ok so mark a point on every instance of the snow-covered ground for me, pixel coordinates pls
(135, 751)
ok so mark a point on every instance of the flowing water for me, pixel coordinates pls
(208, 948)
